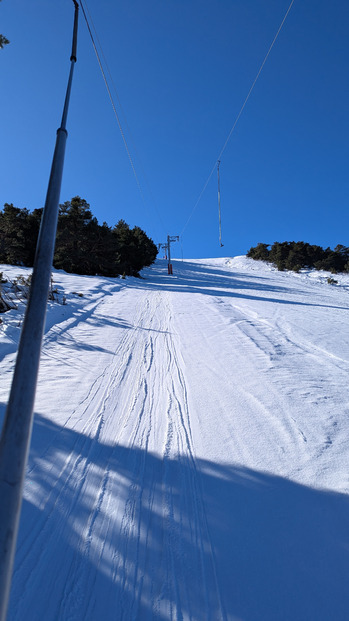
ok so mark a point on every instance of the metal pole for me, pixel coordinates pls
(219, 205)
(17, 427)
(170, 238)
(169, 253)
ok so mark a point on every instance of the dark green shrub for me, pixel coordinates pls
(298, 255)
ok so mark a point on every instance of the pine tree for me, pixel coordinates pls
(3, 40)
(259, 253)
(71, 250)
(145, 250)
(17, 236)
(82, 245)
(298, 255)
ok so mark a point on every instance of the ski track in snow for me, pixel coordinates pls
(176, 417)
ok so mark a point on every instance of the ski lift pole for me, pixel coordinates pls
(219, 204)
(169, 255)
(164, 247)
(170, 238)
(17, 426)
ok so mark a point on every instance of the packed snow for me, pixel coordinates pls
(190, 450)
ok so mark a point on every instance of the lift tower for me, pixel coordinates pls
(170, 239)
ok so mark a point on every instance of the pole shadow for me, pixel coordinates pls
(115, 532)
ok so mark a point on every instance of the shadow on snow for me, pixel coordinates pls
(209, 280)
(281, 549)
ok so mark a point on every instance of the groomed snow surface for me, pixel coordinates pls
(190, 450)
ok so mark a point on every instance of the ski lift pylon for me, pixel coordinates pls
(219, 205)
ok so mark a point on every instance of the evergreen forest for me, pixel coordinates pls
(298, 255)
(82, 245)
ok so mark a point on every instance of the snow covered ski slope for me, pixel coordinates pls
(190, 451)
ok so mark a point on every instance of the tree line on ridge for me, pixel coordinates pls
(298, 255)
(82, 245)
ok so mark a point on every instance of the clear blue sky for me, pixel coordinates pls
(182, 70)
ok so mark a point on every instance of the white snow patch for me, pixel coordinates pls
(190, 451)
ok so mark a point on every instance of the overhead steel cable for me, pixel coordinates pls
(238, 117)
(109, 90)
(111, 98)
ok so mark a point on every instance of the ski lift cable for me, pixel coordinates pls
(255, 80)
(238, 116)
(153, 202)
(114, 107)
(110, 96)
(93, 27)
